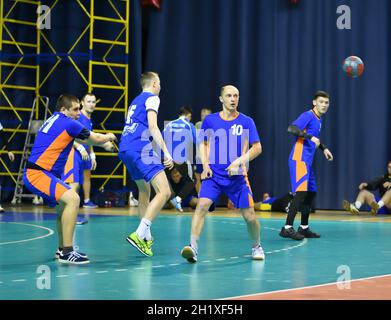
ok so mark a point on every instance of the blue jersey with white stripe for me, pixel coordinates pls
(228, 140)
(180, 137)
(136, 135)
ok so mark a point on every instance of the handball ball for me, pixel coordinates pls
(353, 66)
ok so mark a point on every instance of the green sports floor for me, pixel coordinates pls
(358, 247)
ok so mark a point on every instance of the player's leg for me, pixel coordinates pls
(383, 205)
(209, 193)
(239, 192)
(306, 208)
(86, 166)
(299, 174)
(190, 252)
(142, 235)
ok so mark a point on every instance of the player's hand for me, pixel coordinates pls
(93, 164)
(111, 137)
(109, 146)
(233, 168)
(206, 173)
(168, 162)
(387, 185)
(11, 156)
(328, 155)
(363, 185)
(84, 154)
(316, 141)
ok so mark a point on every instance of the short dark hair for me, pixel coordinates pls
(146, 78)
(87, 94)
(322, 94)
(207, 108)
(65, 100)
(185, 110)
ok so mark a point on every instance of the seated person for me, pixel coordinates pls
(380, 205)
(184, 194)
(276, 204)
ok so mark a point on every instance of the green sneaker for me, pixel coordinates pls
(149, 243)
(140, 244)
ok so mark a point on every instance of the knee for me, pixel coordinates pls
(203, 206)
(166, 194)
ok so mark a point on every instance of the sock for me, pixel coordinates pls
(287, 227)
(304, 227)
(66, 250)
(257, 245)
(358, 204)
(148, 235)
(143, 227)
(381, 204)
(86, 200)
(193, 242)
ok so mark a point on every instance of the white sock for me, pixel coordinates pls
(86, 200)
(193, 242)
(148, 235)
(143, 228)
(287, 227)
(381, 204)
(358, 204)
(303, 227)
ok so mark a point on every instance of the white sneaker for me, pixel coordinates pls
(1, 208)
(189, 254)
(132, 201)
(177, 203)
(350, 207)
(257, 253)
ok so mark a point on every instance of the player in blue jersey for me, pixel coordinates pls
(142, 159)
(306, 130)
(225, 152)
(180, 138)
(82, 158)
(45, 165)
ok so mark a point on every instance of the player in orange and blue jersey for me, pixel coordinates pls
(45, 165)
(225, 150)
(306, 130)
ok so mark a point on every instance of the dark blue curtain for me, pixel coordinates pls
(278, 55)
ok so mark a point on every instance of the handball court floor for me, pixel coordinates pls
(351, 247)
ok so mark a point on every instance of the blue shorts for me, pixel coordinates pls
(138, 168)
(237, 189)
(45, 184)
(302, 176)
(384, 209)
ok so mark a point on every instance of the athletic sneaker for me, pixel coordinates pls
(189, 253)
(73, 257)
(374, 208)
(177, 203)
(140, 244)
(350, 207)
(58, 254)
(80, 221)
(1, 208)
(291, 233)
(89, 204)
(257, 253)
(149, 242)
(307, 233)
